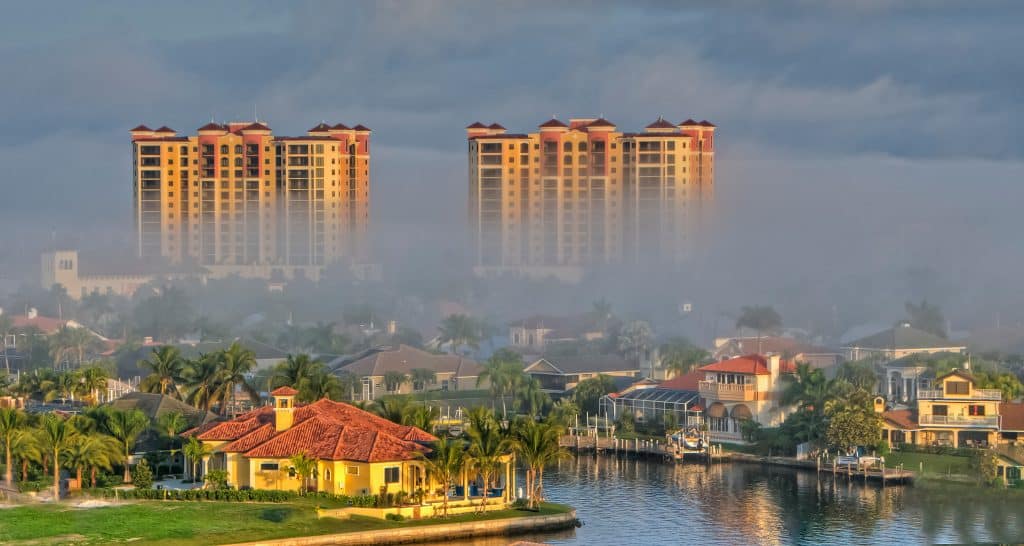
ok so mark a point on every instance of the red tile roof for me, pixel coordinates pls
(140, 128)
(688, 122)
(661, 123)
(600, 122)
(501, 136)
(749, 364)
(685, 382)
(47, 325)
(212, 127)
(361, 127)
(257, 126)
(476, 125)
(284, 391)
(340, 127)
(1012, 416)
(903, 418)
(320, 128)
(324, 430)
(553, 123)
(706, 123)
(165, 129)
(495, 126)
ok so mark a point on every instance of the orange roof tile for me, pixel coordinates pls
(903, 418)
(685, 382)
(752, 364)
(661, 123)
(284, 391)
(320, 128)
(553, 123)
(476, 125)
(140, 128)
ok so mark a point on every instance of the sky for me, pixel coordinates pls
(856, 140)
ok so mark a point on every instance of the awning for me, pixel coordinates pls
(716, 410)
(741, 411)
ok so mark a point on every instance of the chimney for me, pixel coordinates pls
(33, 312)
(284, 407)
(774, 363)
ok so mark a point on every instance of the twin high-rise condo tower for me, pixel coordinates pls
(234, 198)
(584, 194)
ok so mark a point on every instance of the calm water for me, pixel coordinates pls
(626, 501)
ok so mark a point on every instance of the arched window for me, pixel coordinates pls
(224, 148)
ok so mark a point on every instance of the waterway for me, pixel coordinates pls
(631, 501)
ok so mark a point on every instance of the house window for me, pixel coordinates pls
(957, 387)
(391, 474)
(940, 410)
(268, 467)
(353, 471)
(976, 410)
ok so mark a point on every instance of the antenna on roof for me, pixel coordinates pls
(255, 117)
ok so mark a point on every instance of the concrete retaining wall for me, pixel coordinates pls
(439, 532)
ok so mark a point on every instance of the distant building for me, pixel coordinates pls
(236, 199)
(559, 375)
(583, 193)
(787, 347)
(154, 407)
(535, 333)
(451, 372)
(743, 388)
(63, 267)
(899, 341)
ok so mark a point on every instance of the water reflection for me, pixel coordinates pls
(629, 501)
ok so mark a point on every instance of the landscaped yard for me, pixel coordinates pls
(194, 523)
(933, 464)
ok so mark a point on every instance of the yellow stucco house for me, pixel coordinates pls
(356, 452)
(955, 414)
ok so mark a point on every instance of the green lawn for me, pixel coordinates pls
(933, 464)
(193, 523)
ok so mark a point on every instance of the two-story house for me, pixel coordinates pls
(743, 388)
(954, 413)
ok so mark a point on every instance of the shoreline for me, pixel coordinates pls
(438, 532)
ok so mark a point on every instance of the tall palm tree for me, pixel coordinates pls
(195, 451)
(460, 330)
(533, 399)
(393, 408)
(92, 380)
(421, 377)
(56, 435)
(393, 381)
(11, 421)
(166, 368)
(422, 417)
(503, 372)
(203, 380)
(294, 370)
(125, 427)
(24, 446)
(635, 340)
(487, 446)
(536, 445)
(236, 364)
(320, 385)
(91, 451)
(171, 424)
(62, 386)
(760, 318)
(446, 463)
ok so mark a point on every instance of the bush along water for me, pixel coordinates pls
(230, 495)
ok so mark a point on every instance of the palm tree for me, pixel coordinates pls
(166, 368)
(236, 364)
(91, 381)
(304, 467)
(348, 384)
(125, 427)
(393, 408)
(320, 385)
(532, 397)
(393, 381)
(294, 370)
(56, 436)
(196, 451)
(503, 372)
(760, 318)
(11, 421)
(203, 380)
(421, 377)
(95, 305)
(6, 329)
(447, 461)
(421, 417)
(91, 451)
(536, 444)
(460, 330)
(487, 446)
(24, 446)
(679, 356)
(563, 412)
(171, 424)
(635, 340)
(62, 386)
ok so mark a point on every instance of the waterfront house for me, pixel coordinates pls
(743, 388)
(451, 372)
(954, 413)
(355, 452)
(789, 348)
(559, 375)
(899, 341)
(534, 334)
(648, 400)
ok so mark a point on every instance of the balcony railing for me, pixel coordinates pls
(713, 390)
(983, 421)
(976, 394)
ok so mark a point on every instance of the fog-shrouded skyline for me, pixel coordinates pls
(862, 145)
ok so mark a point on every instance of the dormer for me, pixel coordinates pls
(284, 407)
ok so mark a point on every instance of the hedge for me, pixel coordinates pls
(230, 495)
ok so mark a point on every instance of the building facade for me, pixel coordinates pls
(743, 388)
(953, 414)
(234, 198)
(583, 194)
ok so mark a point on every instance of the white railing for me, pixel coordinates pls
(960, 420)
(713, 390)
(976, 394)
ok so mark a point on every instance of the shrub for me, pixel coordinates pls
(395, 517)
(143, 476)
(217, 479)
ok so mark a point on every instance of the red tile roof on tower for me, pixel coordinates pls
(688, 122)
(320, 128)
(661, 123)
(165, 129)
(340, 127)
(140, 128)
(212, 127)
(284, 391)
(495, 126)
(256, 126)
(706, 123)
(553, 123)
(600, 122)
(476, 125)
(361, 127)
(749, 364)
(324, 430)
